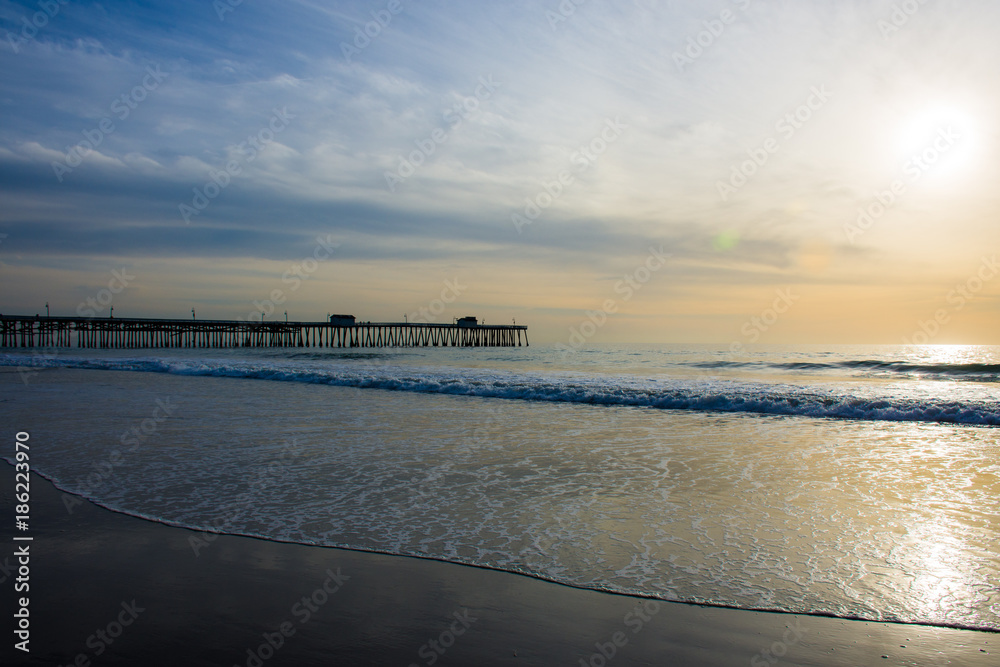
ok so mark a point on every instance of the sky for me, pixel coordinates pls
(726, 171)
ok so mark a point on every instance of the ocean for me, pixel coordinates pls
(853, 481)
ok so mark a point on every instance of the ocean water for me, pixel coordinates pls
(855, 481)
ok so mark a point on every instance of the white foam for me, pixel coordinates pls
(876, 402)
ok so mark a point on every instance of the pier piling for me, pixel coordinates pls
(123, 333)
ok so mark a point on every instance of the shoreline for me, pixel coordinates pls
(538, 577)
(249, 601)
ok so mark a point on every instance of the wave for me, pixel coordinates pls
(977, 372)
(563, 580)
(668, 394)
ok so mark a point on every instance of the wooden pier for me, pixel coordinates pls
(117, 333)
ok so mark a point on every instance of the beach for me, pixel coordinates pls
(94, 567)
(450, 507)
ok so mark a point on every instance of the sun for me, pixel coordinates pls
(938, 143)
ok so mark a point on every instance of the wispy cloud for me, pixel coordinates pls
(356, 118)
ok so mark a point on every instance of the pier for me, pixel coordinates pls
(121, 333)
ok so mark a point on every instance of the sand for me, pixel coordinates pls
(111, 589)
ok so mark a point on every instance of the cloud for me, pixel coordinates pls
(558, 82)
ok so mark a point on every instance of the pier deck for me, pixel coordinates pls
(112, 333)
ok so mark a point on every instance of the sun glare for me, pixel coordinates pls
(937, 143)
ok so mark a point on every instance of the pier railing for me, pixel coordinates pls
(112, 333)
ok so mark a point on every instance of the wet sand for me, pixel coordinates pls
(111, 589)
